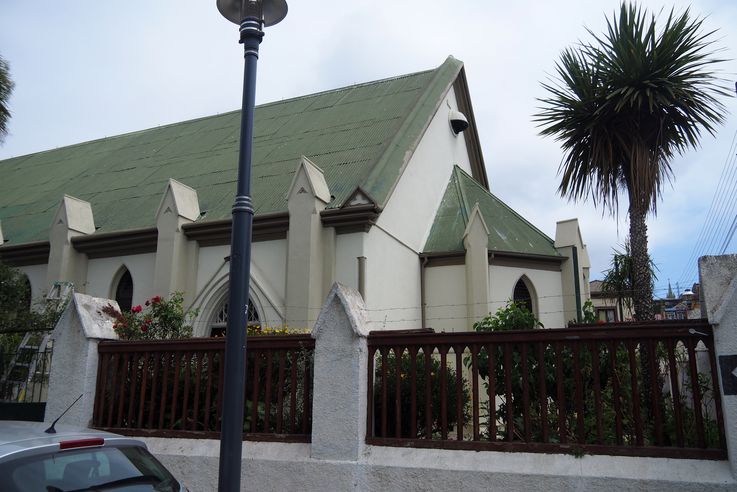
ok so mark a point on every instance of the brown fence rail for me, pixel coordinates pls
(173, 388)
(630, 389)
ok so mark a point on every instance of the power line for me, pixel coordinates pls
(723, 201)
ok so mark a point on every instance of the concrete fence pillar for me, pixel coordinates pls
(718, 278)
(340, 381)
(74, 363)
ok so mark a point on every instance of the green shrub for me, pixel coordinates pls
(411, 426)
(160, 319)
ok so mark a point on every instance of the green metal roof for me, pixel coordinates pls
(508, 231)
(360, 135)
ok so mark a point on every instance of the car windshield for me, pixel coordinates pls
(128, 468)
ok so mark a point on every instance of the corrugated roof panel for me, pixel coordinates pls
(508, 231)
(354, 134)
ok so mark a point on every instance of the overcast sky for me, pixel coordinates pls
(88, 69)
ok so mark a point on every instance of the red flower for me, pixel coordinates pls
(136, 309)
(144, 328)
(155, 299)
(147, 303)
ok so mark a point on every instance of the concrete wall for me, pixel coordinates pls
(718, 278)
(278, 467)
(338, 457)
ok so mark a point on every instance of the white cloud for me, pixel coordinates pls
(90, 69)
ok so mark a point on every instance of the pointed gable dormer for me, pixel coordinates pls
(475, 240)
(308, 244)
(178, 206)
(73, 218)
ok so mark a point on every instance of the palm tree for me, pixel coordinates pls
(6, 88)
(625, 104)
(618, 283)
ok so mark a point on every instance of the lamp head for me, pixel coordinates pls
(270, 11)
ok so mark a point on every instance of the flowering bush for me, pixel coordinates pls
(262, 330)
(159, 319)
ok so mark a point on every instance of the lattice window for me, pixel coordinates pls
(220, 320)
(522, 295)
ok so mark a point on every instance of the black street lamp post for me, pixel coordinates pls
(251, 16)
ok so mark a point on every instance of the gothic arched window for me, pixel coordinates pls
(124, 291)
(523, 295)
(220, 321)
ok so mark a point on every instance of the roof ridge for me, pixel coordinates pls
(216, 115)
(461, 195)
(126, 134)
(450, 64)
(502, 203)
(352, 86)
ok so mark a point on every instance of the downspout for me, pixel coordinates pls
(362, 276)
(423, 263)
(577, 284)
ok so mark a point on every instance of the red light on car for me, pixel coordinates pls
(82, 443)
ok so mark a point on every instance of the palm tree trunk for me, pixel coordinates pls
(642, 293)
(642, 287)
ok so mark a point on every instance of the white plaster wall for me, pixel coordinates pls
(348, 247)
(547, 287)
(268, 271)
(392, 283)
(445, 298)
(102, 272)
(37, 276)
(210, 262)
(410, 211)
(270, 257)
(280, 466)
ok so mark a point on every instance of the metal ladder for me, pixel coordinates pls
(22, 367)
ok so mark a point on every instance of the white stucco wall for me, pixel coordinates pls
(392, 246)
(445, 298)
(392, 283)
(102, 276)
(410, 212)
(348, 247)
(37, 276)
(279, 466)
(445, 295)
(268, 286)
(546, 285)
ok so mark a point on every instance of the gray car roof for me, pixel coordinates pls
(17, 436)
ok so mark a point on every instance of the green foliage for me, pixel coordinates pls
(6, 89)
(16, 313)
(266, 417)
(415, 425)
(533, 392)
(619, 280)
(513, 316)
(623, 106)
(589, 313)
(160, 319)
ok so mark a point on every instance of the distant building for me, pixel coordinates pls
(609, 309)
